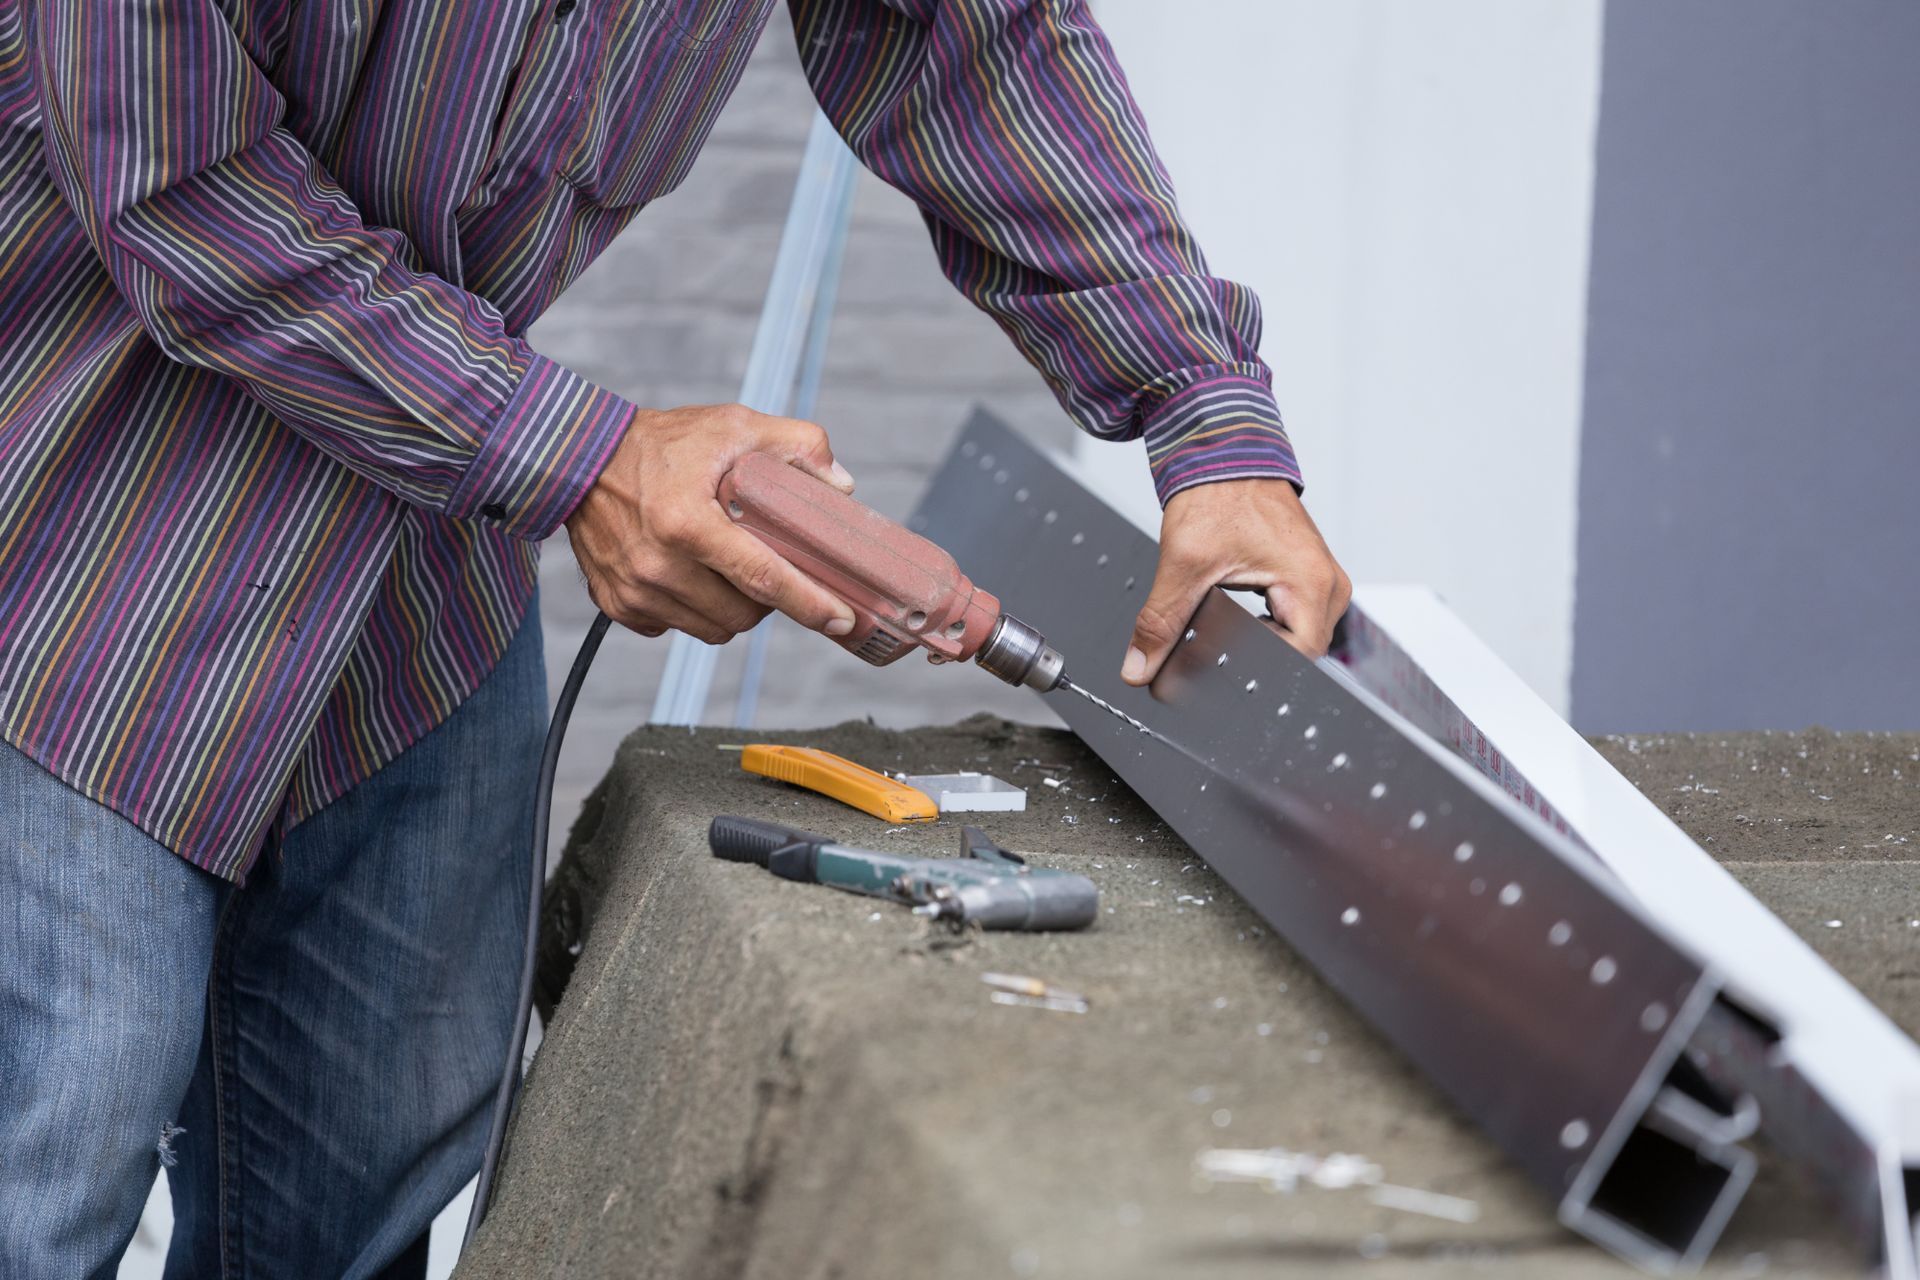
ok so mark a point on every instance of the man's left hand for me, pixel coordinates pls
(1251, 534)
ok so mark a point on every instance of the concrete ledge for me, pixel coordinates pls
(749, 1077)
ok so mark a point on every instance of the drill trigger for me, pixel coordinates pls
(974, 843)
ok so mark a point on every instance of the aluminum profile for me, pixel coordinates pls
(1836, 1082)
(1499, 954)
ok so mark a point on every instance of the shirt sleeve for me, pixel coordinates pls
(1009, 123)
(241, 255)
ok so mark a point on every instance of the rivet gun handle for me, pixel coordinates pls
(752, 840)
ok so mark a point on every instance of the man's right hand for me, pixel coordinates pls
(658, 551)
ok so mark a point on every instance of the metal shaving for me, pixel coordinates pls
(1019, 989)
(1054, 1003)
(1278, 1169)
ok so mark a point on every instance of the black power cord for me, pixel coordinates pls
(542, 813)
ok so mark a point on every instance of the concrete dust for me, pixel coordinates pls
(1820, 826)
(1782, 797)
(749, 1077)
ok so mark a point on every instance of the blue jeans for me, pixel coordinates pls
(311, 1055)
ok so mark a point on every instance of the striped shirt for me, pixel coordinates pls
(275, 456)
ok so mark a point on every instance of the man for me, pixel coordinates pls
(274, 461)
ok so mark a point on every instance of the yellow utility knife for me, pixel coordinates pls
(842, 779)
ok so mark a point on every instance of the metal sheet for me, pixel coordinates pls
(1494, 952)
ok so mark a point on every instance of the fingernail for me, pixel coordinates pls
(843, 478)
(838, 626)
(1135, 666)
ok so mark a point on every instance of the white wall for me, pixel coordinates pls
(1408, 185)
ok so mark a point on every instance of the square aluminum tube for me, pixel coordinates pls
(1495, 951)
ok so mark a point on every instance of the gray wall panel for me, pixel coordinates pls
(1748, 538)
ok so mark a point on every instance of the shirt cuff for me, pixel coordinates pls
(545, 450)
(1218, 423)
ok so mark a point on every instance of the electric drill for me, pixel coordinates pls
(904, 591)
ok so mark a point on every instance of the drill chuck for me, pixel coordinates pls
(1020, 655)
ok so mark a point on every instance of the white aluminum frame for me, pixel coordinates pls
(1846, 1050)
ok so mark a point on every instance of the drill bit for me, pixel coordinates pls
(1102, 703)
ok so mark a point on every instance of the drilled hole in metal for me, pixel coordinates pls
(1509, 895)
(1463, 851)
(1311, 732)
(1350, 916)
(986, 462)
(1561, 933)
(1653, 1017)
(1130, 582)
(1417, 819)
(1051, 516)
(1252, 685)
(917, 619)
(1574, 1134)
(1377, 790)
(1220, 661)
(1603, 971)
(1284, 709)
(968, 449)
(1020, 495)
(1338, 762)
(1000, 476)
(1476, 886)
(1102, 559)
(1079, 538)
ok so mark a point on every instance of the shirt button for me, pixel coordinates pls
(563, 8)
(493, 510)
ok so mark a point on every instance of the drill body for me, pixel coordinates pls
(905, 592)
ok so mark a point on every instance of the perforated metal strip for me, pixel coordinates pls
(1495, 953)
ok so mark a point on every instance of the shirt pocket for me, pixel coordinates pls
(663, 74)
(706, 23)
(541, 108)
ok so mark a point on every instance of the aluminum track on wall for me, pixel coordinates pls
(1496, 952)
